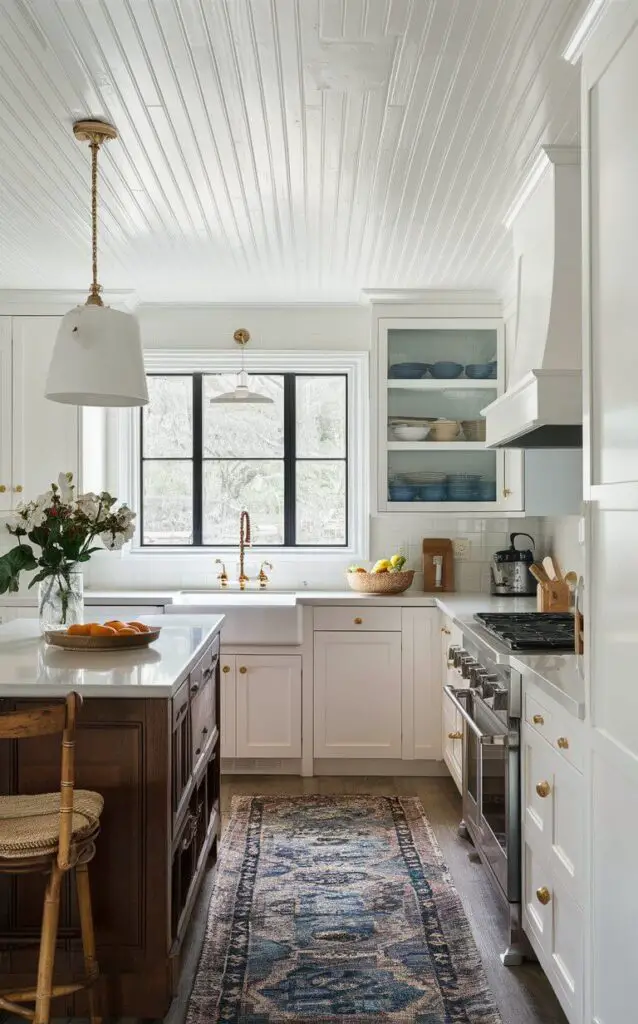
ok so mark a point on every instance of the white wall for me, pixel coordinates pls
(560, 536)
(299, 327)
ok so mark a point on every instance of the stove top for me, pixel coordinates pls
(530, 631)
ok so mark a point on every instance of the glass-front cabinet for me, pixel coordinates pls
(435, 377)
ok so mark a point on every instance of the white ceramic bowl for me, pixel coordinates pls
(406, 433)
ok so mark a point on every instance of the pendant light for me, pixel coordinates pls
(97, 358)
(241, 394)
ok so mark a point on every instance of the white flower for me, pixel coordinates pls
(31, 515)
(65, 487)
(89, 505)
(112, 541)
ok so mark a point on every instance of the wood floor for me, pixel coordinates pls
(523, 994)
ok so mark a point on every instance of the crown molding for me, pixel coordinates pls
(547, 156)
(57, 302)
(440, 296)
(584, 30)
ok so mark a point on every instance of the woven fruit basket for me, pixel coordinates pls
(380, 582)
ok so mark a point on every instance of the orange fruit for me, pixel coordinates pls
(127, 631)
(116, 624)
(98, 630)
(79, 629)
(141, 627)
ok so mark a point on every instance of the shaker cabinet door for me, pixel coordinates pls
(357, 694)
(268, 705)
(5, 413)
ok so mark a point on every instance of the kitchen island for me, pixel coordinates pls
(148, 740)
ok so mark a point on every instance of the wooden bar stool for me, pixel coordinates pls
(51, 833)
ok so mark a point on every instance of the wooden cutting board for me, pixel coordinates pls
(438, 578)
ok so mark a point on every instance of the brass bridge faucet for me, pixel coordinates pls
(244, 541)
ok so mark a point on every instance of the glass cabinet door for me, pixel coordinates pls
(435, 378)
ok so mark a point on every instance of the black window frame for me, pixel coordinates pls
(289, 459)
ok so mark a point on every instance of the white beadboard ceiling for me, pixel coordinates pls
(275, 150)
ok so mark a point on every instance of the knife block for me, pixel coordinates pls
(553, 596)
(434, 549)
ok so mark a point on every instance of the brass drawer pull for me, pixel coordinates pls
(562, 742)
(243, 670)
(444, 629)
(3, 488)
(538, 720)
(226, 668)
(18, 489)
(543, 895)
(358, 621)
(455, 735)
(543, 788)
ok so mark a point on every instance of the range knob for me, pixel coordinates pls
(459, 653)
(467, 664)
(501, 697)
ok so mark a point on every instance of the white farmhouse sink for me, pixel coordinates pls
(266, 617)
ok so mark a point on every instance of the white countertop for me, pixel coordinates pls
(29, 667)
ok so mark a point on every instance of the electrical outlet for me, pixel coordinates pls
(461, 548)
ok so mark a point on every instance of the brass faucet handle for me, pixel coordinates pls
(263, 578)
(223, 575)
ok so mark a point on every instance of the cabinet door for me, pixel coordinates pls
(452, 742)
(268, 705)
(357, 694)
(45, 433)
(228, 706)
(421, 683)
(5, 413)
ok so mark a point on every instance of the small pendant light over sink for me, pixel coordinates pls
(241, 394)
(97, 358)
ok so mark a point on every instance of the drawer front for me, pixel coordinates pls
(383, 619)
(567, 739)
(538, 717)
(537, 915)
(203, 681)
(537, 771)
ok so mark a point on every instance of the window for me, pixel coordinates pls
(286, 462)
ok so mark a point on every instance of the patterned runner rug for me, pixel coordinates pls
(330, 909)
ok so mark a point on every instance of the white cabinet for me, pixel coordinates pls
(261, 705)
(554, 888)
(610, 444)
(357, 694)
(421, 684)
(451, 720)
(38, 438)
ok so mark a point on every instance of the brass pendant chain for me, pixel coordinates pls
(94, 294)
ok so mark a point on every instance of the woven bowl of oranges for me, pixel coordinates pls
(113, 635)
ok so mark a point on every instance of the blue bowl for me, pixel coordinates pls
(433, 492)
(486, 490)
(446, 371)
(402, 492)
(462, 492)
(481, 371)
(408, 371)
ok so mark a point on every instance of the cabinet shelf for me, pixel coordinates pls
(436, 446)
(454, 383)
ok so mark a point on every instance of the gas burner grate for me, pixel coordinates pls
(530, 631)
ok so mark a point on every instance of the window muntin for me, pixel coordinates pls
(286, 462)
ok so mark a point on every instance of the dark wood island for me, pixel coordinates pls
(148, 740)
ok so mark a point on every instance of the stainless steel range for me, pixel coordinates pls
(488, 698)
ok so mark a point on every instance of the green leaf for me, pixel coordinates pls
(19, 559)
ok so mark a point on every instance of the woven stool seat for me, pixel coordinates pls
(30, 825)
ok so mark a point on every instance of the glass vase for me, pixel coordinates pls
(61, 601)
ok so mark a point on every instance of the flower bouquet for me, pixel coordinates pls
(65, 529)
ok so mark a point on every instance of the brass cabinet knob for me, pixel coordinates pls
(538, 720)
(543, 788)
(243, 670)
(358, 621)
(445, 630)
(543, 895)
(455, 735)
(562, 742)
(3, 488)
(18, 489)
(226, 668)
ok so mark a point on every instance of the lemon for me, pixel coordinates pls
(382, 565)
(397, 561)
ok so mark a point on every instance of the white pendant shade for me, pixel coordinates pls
(241, 394)
(97, 359)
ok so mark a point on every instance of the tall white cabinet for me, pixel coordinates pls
(38, 438)
(610, 138)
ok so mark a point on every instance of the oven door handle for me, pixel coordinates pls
(450, 692)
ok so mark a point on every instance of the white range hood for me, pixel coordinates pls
(542, 406)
